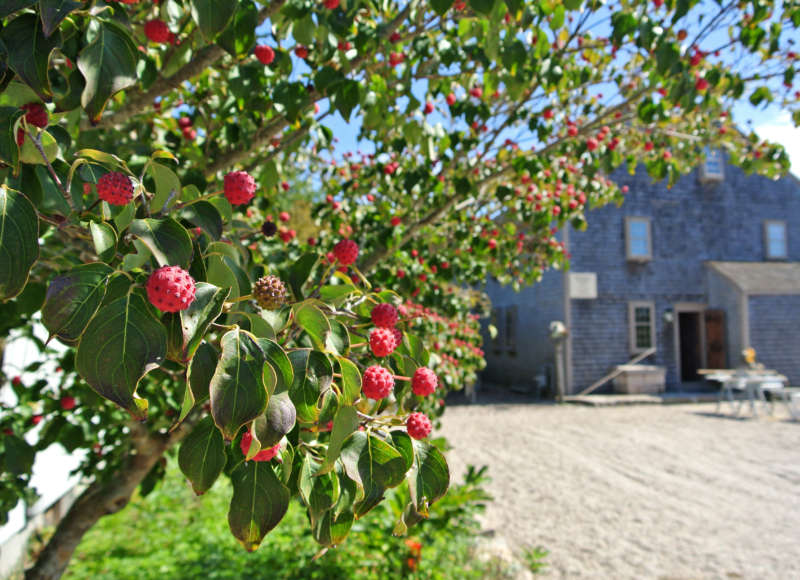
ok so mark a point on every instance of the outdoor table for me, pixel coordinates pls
(753, 385)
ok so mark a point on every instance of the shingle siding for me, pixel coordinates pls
(774, 324)
(691, 223)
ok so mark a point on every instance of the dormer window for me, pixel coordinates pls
(775, 240)
(711, 170)
(638, 246)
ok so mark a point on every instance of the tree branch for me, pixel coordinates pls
(104, 498)
(140, 102)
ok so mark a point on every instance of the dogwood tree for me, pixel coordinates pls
(255, 225)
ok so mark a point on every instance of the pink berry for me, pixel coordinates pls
(377, 382)
(424, 382)
(239, 187)
(170, 289)
(157, 31)
(398, 335)
(265, 54)
(115, 188)
(284, 216)
(418, 425)
(382, 342)
(346, 251)
(384, 315)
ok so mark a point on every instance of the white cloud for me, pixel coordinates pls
(780, 130)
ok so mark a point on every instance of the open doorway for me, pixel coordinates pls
(690, 341)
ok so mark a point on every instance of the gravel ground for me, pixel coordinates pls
(651, 491)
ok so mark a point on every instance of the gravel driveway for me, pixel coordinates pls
(652, 491)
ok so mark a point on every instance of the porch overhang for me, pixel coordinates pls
(760, 278)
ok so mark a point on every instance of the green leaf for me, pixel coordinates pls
(290, 98)
(202, 456)
(351, 380)
(53, 12)
(204, 309)
(280, 363)
(429, 477)
(335, 293)
(313, 375)
(314, 322)
(19, 456)
(167, 240)
(277, 420)
(105, 240)
(347, 97)
(345, 422)
(331, 530)
(109, 66)
(198, 378)
(482, 6)
(238, 393)
(9, 152)
(441, 6)
(212, 16)
(204, 215)
(11, 6)
(168, 186)
(374, 465)
(30, 154)
(239, 37)
(29, 52)
(338, 341)
(221, 275)
(73, 298)
(122, 343)
(19, 241)
(300, 271)
(259, 502)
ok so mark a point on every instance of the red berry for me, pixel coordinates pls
(548, 113)
(67, 403)
(331, 4)
(572, 130)
(16, 381)
(284, 216)
(301, 51)
(36, 419)
(396, 58)
(648, 146)
(264, 53)
(157, 31)
(184, 122)
(428, 108)
(424, 382)
(395, 221)
(264, 454)
(666, 155)
(701, 84)
(346, 251)
(418, 425)
(591, 144)
(384, 316)
(170, 289)
(35, 114)
(476, 92)
(382, 342)
(240, 187)
(377, 382)
(451, 99)
(115, 188)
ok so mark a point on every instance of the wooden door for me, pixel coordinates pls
(715, 339)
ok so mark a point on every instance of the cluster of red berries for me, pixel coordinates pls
(115, 188)
(345, 252)
(239, 187)
(185, 123)
(36, 115)
(170, 289)
(157, 31)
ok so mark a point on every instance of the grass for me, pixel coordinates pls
(172, 534)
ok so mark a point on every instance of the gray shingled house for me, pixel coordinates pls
(697, 272)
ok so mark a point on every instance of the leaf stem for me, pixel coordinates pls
(37, 142)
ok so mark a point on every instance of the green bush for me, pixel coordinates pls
(173, 534)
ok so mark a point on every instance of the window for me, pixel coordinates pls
(637, 238)
(511, 330)
(775, 239)
(712, 168)
(641, 326)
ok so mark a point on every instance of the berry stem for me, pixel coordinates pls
(201, 198)
(401, 378)
(358, 344)
(239, 299)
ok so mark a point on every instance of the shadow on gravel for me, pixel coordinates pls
(492, 394)
(745, 417)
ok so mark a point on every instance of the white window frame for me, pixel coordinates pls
(769, 255)
(708, 174)
(632, 306)
(638, 257)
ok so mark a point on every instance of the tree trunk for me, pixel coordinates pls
(101, 499)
